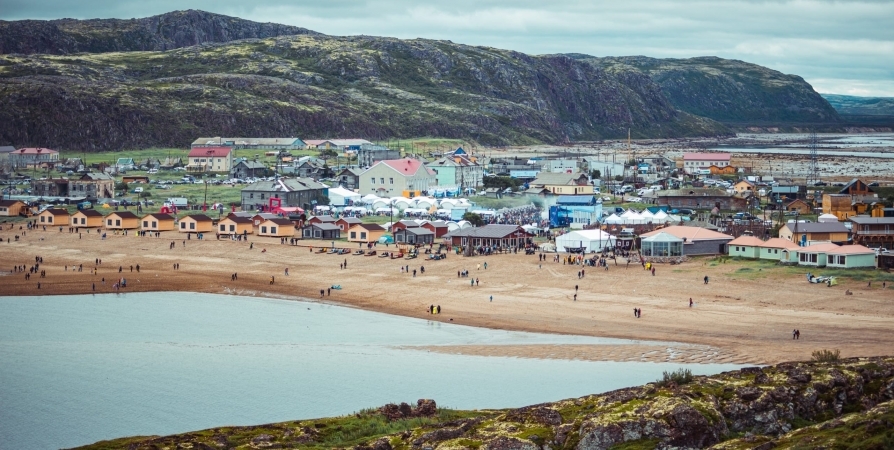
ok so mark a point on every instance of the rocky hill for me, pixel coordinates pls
(845, 404)
(204, 78)
(730, 91)
(163, 32)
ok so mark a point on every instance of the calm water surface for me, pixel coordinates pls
(77, 369)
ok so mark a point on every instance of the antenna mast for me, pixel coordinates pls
(813, 170)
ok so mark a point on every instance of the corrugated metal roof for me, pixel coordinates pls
(488, 231)
(821, 227)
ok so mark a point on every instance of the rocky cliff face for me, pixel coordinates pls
(729, 91)
(163, 32)
(318, 86)
(81, 85)
(793, 405)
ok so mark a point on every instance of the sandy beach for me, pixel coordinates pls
(741, 316)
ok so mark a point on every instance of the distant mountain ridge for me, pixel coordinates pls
(869, 106)
(211, 75)
(168, 31)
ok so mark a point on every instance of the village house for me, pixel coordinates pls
(365, 232)
(696, 241)
(369, 154)
(835, 256)
(777, 249)
(743, 186)
(93, 185)
(701, 198)
(413, 235)
(799, 206)
(235, 225)
(786, 193)
(438, 227)
(258, 219)
(87, 218)
(50, 187)
(282, 144)
(724, 170)
(873, 231)
(294, 192)
(458, 170)
(53, 216)
(500, 236)
(11, 208)
(33, 157)
(573, 183)
(745, 247)
(349, 178)
(248, 169)
(321, 231)
(321, 219)
(337, 144)
(279, 227)
(158, 222)
(695, 163)
(122, 220)
(196, 223)
(123, 164)
(5, 151)
(808, 233)
(347, 222)
(134, 179)
(210, 159)
(310, 168)
(397, 177)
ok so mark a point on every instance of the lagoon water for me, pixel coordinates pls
(78, 369)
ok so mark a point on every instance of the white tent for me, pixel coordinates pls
(369, 199)
(590, 240)
(452, 226)
(339, 196)
(613, 219)
(824, 218)
(463, 224)
(660, 216)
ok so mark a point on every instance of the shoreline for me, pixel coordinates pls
(740, 318)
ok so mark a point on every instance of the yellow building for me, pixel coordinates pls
(574, 183)
(808, 233)
(196, 223)
(744, 186)
(277, 228)
(88, 218)
(235, 225)
(53, 216)
(122, 220)
(365, 232)
(158, 222)
(11, 208)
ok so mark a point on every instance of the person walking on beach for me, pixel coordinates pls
(322, 292)
(690, 302)
(476, 282)
(706, 279)
(575, 297)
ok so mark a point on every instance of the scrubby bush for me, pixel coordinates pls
(678, 377)
(826, 355)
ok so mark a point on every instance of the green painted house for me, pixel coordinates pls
(745, 247)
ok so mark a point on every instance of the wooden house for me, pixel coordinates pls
(87, 218)
(365, 232)
(196, 223)
(799, 206)
(321, 231)
(810, 232)
(122, 220)
(413, 235)
(260, 218)
(722, 170)
(53, 216)
(321, 219)
(347, 222)
(438, 227)
(11, 208)
(235, 225)
(279, 227)
(158, 222)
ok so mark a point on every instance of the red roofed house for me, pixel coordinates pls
(694, 162)
(29, 157)
(210, 159)
(405, 177)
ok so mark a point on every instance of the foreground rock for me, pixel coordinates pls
(791, 405)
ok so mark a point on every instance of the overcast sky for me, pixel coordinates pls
(841, 47)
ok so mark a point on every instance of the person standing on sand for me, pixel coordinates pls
(706, 279)
(271, 279)
(690, 302)
(322, 291)
(794, 332)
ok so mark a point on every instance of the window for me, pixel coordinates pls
(232, 227)
(251, 195)
(391, 181)
(192, 225)
(362, 234)
(223, 228)
(273, 230)
(182, 225)
(373, 180)
(154, 224)
(117, 222)
(50, 219)
(353, 235)
(263, 229)
(382, 180)
(145, 223)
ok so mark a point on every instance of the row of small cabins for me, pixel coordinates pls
(262, 224)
